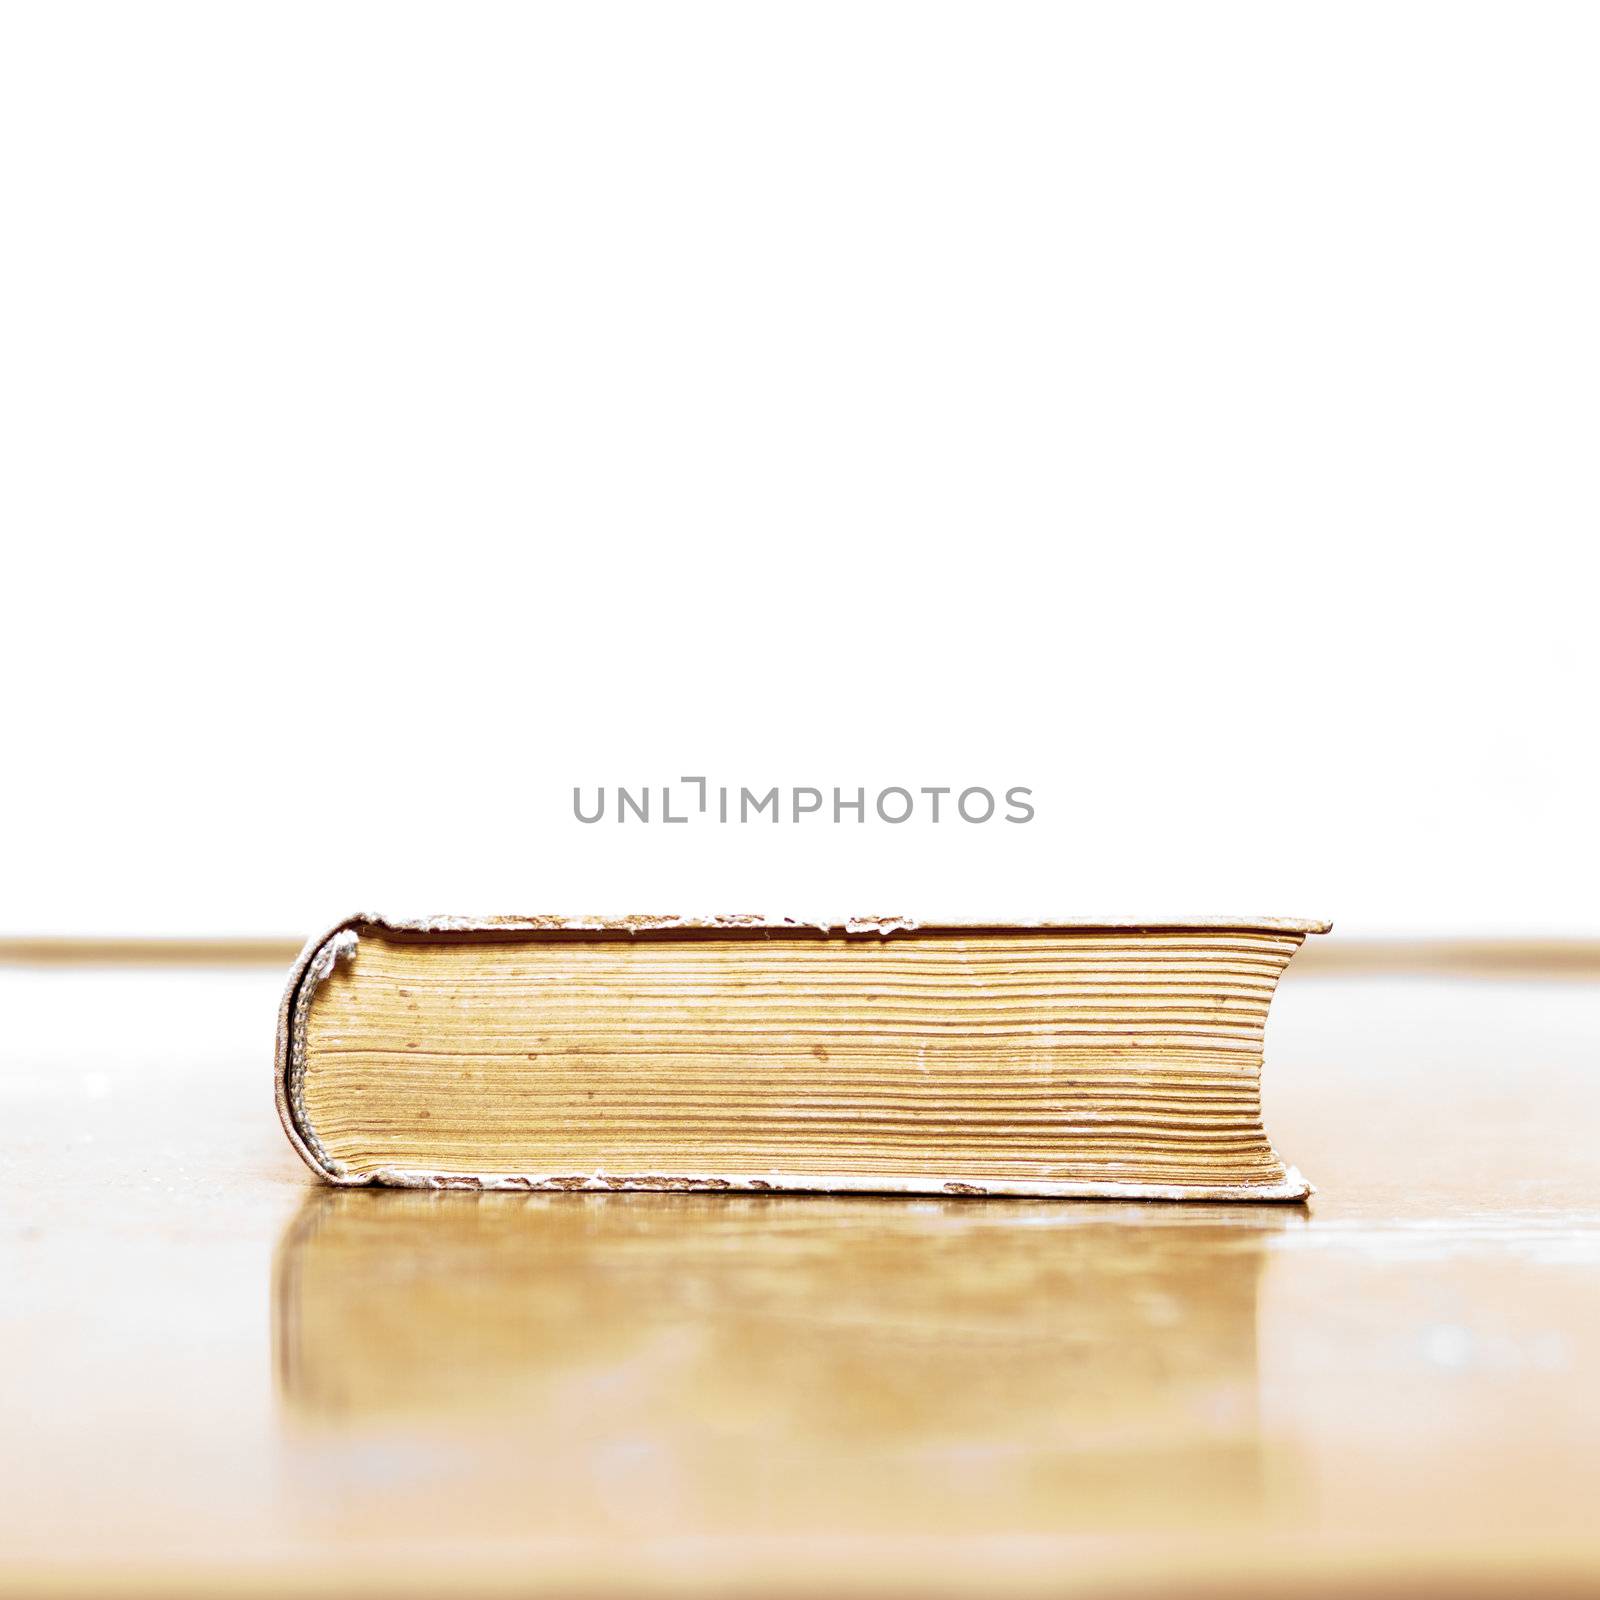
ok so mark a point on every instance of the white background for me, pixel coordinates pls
(408, 413)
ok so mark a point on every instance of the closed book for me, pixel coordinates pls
(878, 1055)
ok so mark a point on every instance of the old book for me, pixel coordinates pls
(741, 1053)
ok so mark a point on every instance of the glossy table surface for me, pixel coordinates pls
(213, 1372)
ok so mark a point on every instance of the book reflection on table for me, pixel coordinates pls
(707, 1363)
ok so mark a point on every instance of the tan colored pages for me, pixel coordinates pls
(881, 1055)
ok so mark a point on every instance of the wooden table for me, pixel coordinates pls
(218, 1376)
